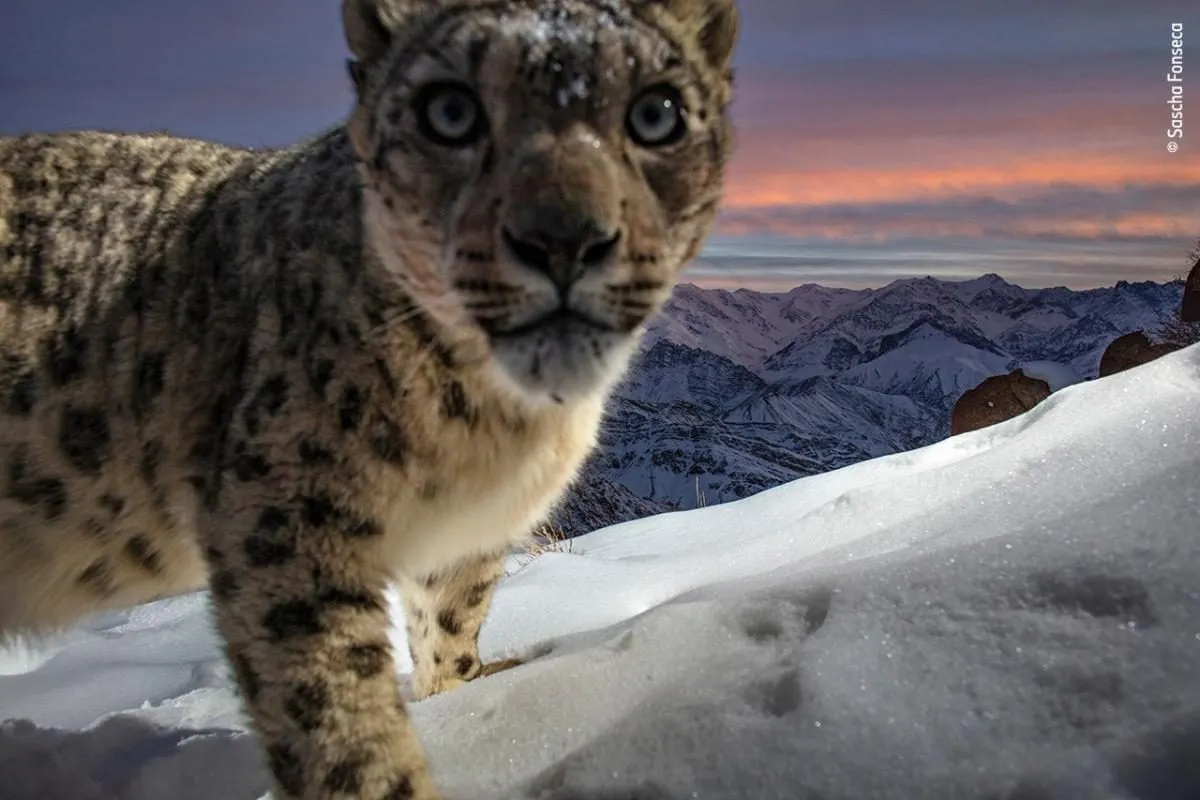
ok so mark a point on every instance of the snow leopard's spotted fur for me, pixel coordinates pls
(295, 376)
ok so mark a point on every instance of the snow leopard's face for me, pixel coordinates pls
(538, 173)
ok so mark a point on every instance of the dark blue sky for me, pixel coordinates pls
(877, 139)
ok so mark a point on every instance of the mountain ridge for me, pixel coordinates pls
(736, 391)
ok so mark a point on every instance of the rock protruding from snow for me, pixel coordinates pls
(1129, 351)
(1189, 310)
(999, 398)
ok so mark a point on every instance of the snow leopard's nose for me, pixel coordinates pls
(561, 248)
(562, 215)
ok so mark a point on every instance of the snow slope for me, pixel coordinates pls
(1011, 614)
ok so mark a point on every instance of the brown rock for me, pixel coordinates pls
(998, 398)
(1129, 351)
(1190, 310)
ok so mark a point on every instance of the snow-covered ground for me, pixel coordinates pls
(1011, 614)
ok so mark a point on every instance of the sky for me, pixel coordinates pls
(876, 139)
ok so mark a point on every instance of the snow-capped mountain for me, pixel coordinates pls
(739, 391)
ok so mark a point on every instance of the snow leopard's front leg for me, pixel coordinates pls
(300, 602)
(445, 611)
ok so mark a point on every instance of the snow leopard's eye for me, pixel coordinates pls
(656, 117)
(450, 114)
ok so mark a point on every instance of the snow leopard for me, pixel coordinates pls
(302, 377)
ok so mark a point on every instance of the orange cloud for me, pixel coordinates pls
(1006, 174)
(1038, 146)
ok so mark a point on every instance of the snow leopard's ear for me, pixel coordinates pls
(369, 24)
(711, 24)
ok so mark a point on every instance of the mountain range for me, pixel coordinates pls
(738, 391)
